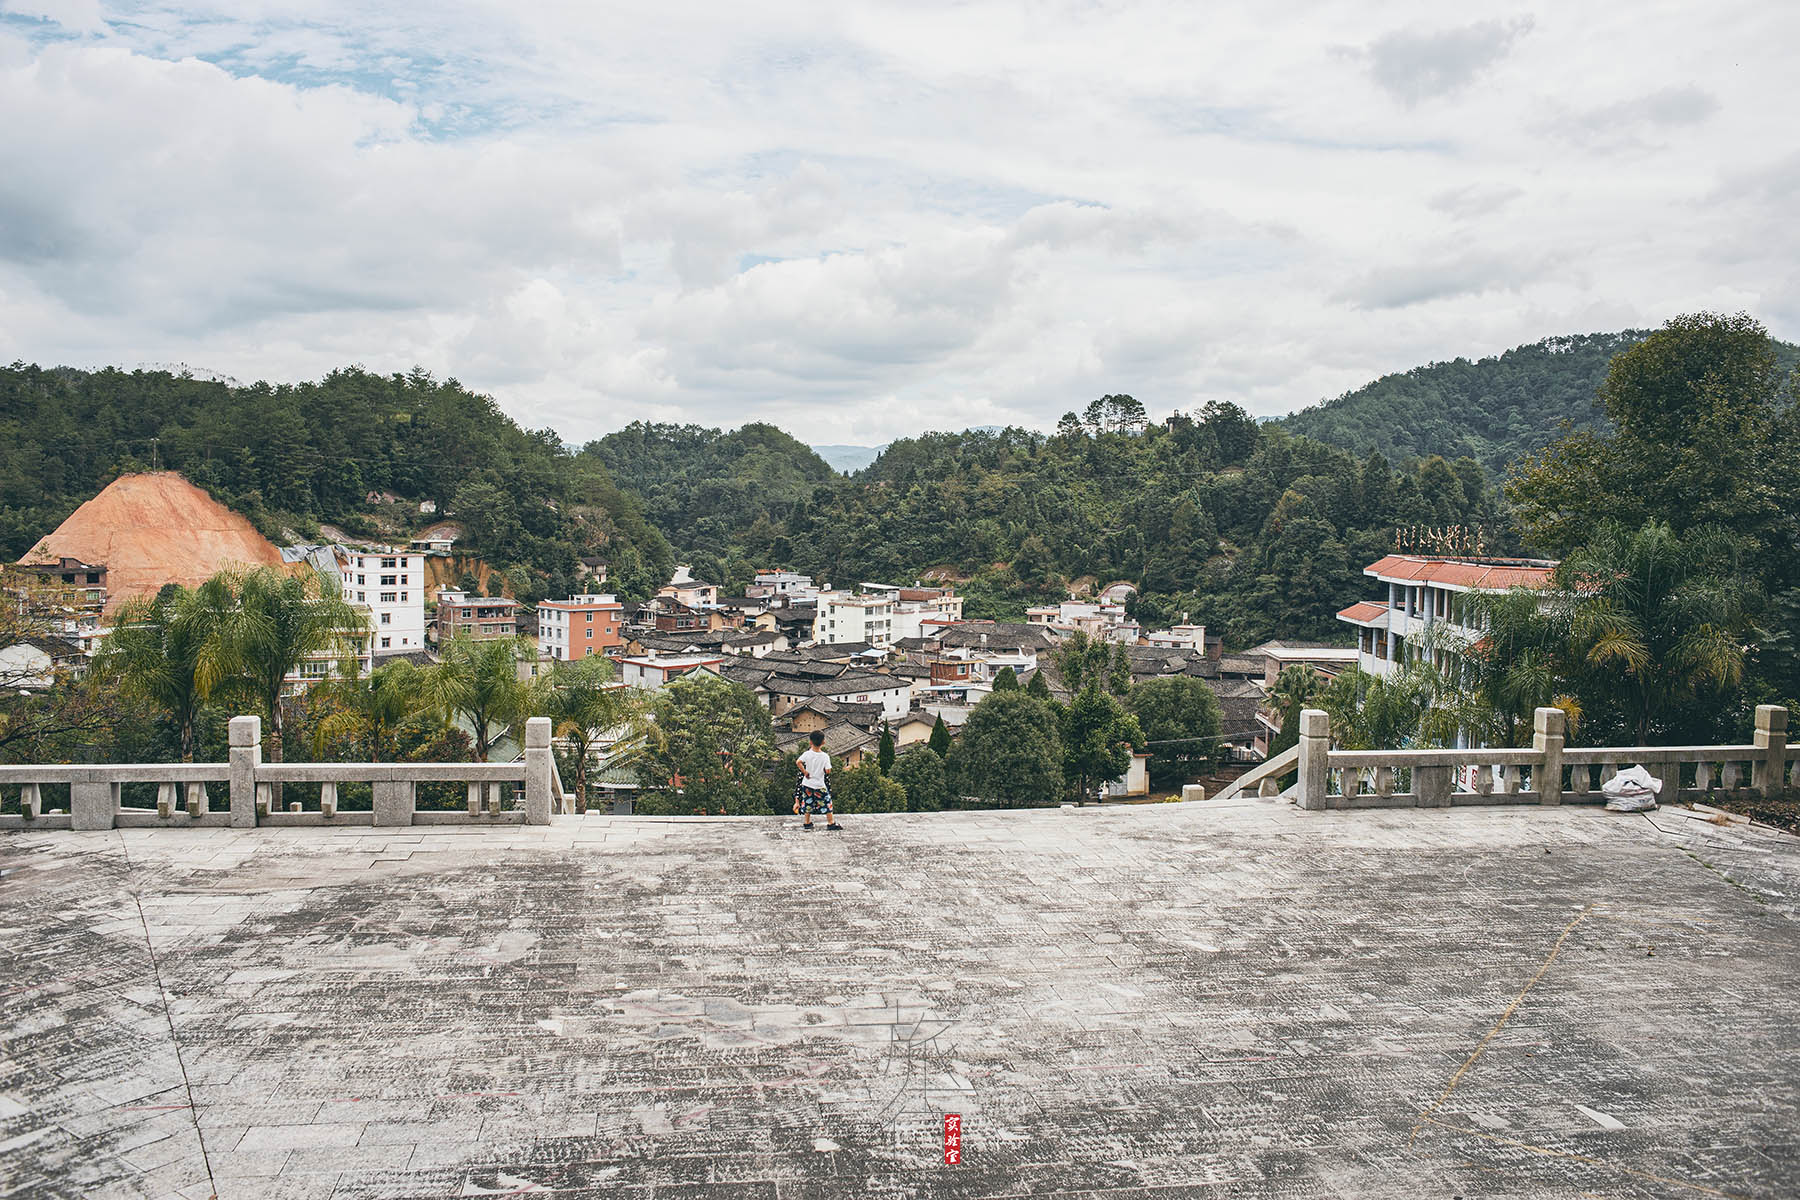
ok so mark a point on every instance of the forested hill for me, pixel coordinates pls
(1249, 529)
(1493, 410)
(291, 456)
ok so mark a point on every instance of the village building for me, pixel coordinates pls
(991, 645)
(684, 589)
(847, 617)
(1425, 613)
(571, 630)
(434, 543)
(482, 618)
(1181, 637)
(390, 583)
(1101, 621)
(657, 670)
(790, 585)
(32, 663)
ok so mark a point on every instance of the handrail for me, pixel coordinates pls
(1275, 767)
(428, 772)
(117, 773)
(1510, 775)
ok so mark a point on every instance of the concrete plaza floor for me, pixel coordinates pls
(1155, 1001)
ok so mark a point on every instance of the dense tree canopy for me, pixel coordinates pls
(292, 455)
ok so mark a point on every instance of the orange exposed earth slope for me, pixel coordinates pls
(153, 529)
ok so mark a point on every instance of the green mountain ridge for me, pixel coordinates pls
(1494, 410)
(1256, 529)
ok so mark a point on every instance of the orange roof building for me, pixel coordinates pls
(154, 529)
(1426, 613)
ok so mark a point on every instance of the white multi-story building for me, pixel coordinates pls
(846, 617)
(1426, 611)
(798, 588)
(389, 583)
(1103, 622)
(1179, 637)
(916, 611)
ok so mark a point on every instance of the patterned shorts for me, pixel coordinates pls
(813, 800)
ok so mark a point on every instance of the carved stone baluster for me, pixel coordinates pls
(198, 803)
(165, 800)
(1384, 782)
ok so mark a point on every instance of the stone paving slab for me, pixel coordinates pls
(1142, 1002)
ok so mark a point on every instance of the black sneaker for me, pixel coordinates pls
(834, 825)
(806, 828)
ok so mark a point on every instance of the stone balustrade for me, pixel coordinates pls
(243, 791)
(1546, 772)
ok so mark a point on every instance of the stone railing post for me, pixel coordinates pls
(540, 770)
(1768, 772)
(245, 735)
(1548, 726)
(1315, 745)
(93, 804)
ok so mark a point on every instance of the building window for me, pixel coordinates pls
(389, 563)
(387, 597)
(387, 618)
(386, 642)
(387, 581)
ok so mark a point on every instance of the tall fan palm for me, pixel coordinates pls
(478, 681)
(588, 710)
(1660, 621)
(1518, 664)
(280, 621)
(373, 707)
(167, 651)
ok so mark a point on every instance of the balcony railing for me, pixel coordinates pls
(245, 791)
(1546, 772)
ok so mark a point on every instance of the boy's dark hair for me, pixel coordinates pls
(817, 738)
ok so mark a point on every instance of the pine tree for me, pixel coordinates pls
(884, 751)
(940, 738)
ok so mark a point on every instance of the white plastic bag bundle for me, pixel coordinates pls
(1631, 790)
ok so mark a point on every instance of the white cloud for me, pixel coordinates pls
(1416, 65)
(875, 218)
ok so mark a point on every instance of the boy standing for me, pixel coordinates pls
(813, 795)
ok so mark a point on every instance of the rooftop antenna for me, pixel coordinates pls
(155, 454)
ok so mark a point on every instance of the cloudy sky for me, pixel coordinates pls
(862, 220)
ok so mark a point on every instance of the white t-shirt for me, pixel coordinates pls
(815, 763)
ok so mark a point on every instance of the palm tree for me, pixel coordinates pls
(166, 651)
(478, 682)
(278, 622)
(373, 707)
(1369, 712)
(1659, 621)
(1519, 664)
(586, 708)
(1294, 689)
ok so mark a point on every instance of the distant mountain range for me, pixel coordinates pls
(849, 459)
